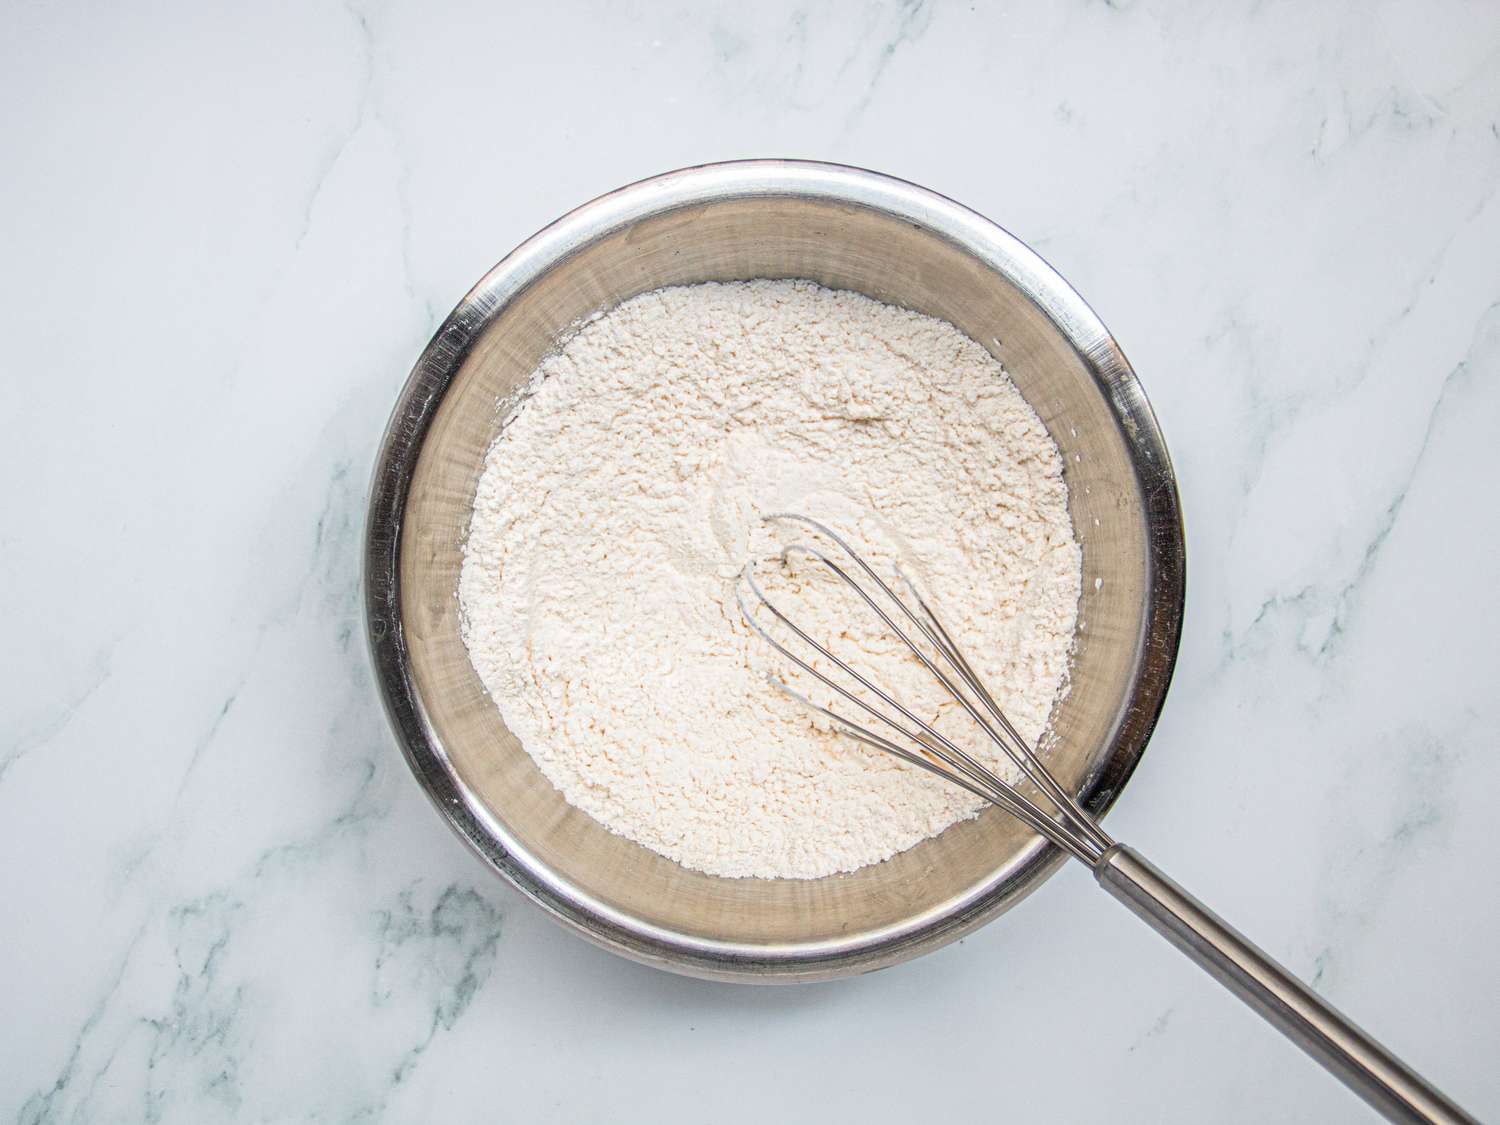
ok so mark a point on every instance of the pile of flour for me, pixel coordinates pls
(618, 506)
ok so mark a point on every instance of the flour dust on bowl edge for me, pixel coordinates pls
(844, 228)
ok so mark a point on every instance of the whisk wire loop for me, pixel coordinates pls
(1069, 827)
(931, 743)
(1028, 761)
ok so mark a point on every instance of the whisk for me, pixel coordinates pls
(1040, 802)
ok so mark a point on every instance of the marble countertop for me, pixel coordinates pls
(228, 232)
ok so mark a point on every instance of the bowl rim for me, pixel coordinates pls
(422, 396)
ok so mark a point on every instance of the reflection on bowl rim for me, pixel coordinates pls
(421, 398)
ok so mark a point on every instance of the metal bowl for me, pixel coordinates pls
(847, 229)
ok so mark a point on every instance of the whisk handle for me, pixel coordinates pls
(1367, 1068)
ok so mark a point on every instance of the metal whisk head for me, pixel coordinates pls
(891, 726)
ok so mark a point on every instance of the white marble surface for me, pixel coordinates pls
(229, 229)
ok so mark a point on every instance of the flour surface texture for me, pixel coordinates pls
(619, 504)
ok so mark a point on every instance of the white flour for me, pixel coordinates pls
(615, 510)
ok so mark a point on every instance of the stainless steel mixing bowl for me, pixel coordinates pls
(848, 229)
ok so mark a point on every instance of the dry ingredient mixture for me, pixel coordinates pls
(616, 509)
